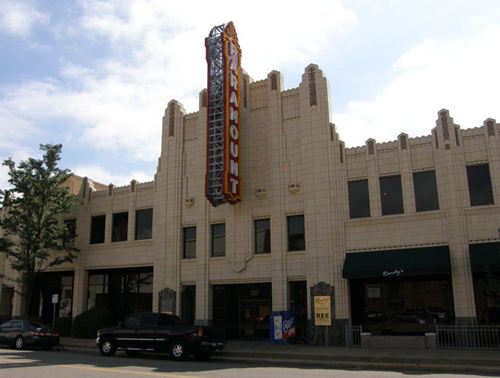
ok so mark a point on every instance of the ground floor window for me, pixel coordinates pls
(122, 291)
(298, 301)
(487, 293)
(188, 303)
(6, 302)
(243, 311)
(413, 305)
(45, 286)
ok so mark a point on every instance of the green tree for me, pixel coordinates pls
(31, 236)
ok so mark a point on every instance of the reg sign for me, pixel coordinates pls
(322, 311)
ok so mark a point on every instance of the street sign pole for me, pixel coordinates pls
(55, 299)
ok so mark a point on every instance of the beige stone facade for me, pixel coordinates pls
(293, 162)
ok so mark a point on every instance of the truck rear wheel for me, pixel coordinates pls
(178, 350)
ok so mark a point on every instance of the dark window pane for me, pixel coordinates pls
(143, 224)
(391, 195)
(70, 232)
(296, 233)
(120, 226)
(359, 199)
(426, 196)
(480, 192)
(146, 282)
(130, 283)
(487, 291)
(97, 225)
(262, 236)
(404, 307)
(122, 291)
(189, 238)
(218, 239)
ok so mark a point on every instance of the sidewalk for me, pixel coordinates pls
(254, 352)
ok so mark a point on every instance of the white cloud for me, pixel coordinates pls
(19, 18)
(4, 177)
(157, 54)
(20, 153)
(460, 75)
(103, 176)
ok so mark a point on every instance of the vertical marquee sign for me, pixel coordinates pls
(222, 180)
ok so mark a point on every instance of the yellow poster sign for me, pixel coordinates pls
(322, 312)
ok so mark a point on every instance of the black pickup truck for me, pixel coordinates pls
(159, 332)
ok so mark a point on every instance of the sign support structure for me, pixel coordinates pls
(223, 174)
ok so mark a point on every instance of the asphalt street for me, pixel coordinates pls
(63, 364)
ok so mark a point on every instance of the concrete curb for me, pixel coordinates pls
(279, 358)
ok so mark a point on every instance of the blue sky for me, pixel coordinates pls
(96, 76)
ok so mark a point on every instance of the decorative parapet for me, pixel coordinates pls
(149, 185)
(258, 84)
(475, 132)
(290, 92)
(387, 146)
(420, 141)
(100, 193)
(491, 125)
(122, 189)
(355, 151)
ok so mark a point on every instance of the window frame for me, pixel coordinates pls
(291, 248)
(481, 190)
(213, 226)
(425, 204)
(354, 201)
(123, 236)
(150, 221)
(71, 241)
(94, 232)
(266, 247)
(185, 240)
(388, 204)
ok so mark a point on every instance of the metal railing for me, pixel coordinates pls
(467, 337)
(353, 336)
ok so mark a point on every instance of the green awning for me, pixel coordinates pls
(397, 263)
(485, 257)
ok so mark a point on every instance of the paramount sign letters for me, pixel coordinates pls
(231, 184)
(223, 179)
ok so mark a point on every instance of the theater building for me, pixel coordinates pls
(400, 235)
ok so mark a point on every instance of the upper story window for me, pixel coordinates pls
(426, 195)
(143, 224)
(97, 227)
(218, 239)
(296, 233)
(70, 232)
(359, 199)
(189, 242)
(262, 229)
(120, 227)
(479, 180)
(391, 195)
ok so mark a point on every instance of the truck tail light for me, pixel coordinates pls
(198, 333)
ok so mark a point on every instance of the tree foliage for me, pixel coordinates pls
(33, 236)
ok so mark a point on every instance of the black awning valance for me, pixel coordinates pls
(397, 263)
(485, 257)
